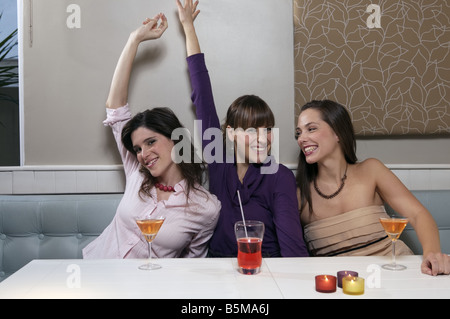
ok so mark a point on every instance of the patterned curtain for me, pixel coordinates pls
(387, 61)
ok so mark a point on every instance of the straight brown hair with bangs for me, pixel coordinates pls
(249, 111)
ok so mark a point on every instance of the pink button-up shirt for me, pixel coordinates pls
(188, 225)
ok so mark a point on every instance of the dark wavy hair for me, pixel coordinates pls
(338, 118)
(163, 121)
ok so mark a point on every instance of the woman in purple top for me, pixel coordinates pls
(267, 190)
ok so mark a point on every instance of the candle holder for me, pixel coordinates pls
(326, 283)
(353, 285)
(345, 273)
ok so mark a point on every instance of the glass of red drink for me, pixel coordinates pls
(249, 236)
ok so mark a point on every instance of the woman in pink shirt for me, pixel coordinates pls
(145, 146)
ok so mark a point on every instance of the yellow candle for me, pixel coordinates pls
(353, 285)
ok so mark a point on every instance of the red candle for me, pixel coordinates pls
(325, 283)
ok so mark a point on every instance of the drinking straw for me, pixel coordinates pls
(242, 213)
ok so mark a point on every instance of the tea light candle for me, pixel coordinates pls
(345, 273)
(325, 283)
(353, 285)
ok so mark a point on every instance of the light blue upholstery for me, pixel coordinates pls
(50, 226)
(438, 203)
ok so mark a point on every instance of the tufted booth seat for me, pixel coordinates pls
(50, 226)
(60, 226)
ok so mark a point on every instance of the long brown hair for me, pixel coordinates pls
(337, 117)
(163, 121)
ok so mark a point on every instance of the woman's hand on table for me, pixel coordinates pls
(436, 264)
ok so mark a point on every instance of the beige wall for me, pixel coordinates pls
(249, 49)
(407, 150)
(67, 72)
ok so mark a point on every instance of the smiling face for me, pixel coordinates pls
(153, 151)
(316, 138)
(248, 125)
(251, 145)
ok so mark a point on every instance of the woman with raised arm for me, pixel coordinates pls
(155, 184)
(341, 200)
(266, 195)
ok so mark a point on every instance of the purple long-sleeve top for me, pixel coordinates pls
(270, 198)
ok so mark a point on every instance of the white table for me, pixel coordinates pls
(295, 277)
(217, 278)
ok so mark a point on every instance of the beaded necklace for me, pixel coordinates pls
(336, 192)
(164, 188)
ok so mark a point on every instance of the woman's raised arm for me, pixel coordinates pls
(150, 29)
(187, 15)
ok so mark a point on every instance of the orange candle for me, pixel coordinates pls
(325, 283)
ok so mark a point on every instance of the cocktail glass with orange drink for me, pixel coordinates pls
(150, 228)
(394, 227)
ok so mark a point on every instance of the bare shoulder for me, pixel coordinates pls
(371, 169)
(371, 164)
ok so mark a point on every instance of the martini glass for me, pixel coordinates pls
(149, 228)
(394, 227)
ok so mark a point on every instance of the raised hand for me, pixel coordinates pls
(150, 28)
(188, 13)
